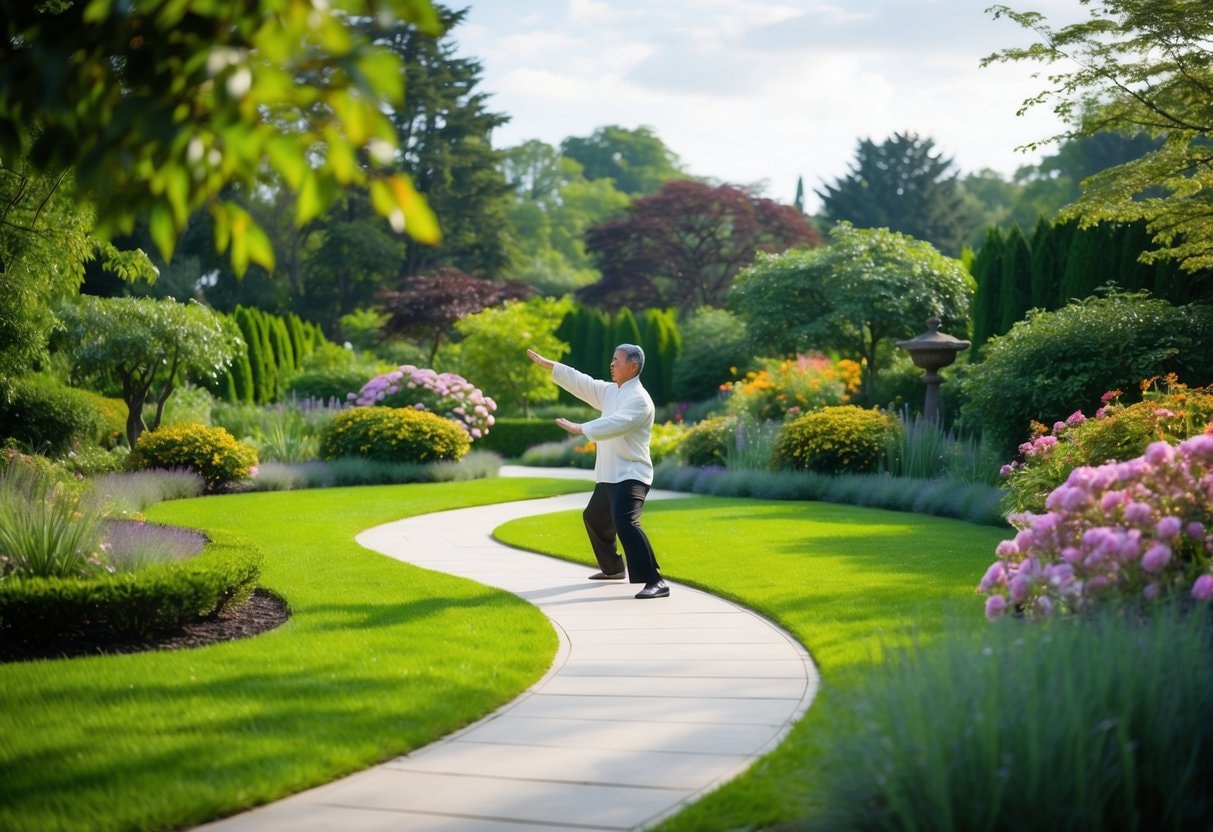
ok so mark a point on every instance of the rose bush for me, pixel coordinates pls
(1123, 533)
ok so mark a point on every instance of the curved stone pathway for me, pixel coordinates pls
(648, 704)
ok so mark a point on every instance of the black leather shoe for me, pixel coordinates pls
(602, 576)
(654, 589)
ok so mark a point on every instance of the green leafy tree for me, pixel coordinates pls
(1050, 244)
(864, 288)
(160, 106)
(903, 185)
(147, 346)
(553, 206)
(494, 345)
(636, 161)
(1056, 180)
(44, 246)
(1136, 66)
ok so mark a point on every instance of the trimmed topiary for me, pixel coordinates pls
(212, 453)
(393, 434)
(836, 440)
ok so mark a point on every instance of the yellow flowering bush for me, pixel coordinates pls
(211, 453)
(783, 390)
(836, 440)
(393, 434)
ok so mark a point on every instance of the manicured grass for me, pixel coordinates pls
(378, 658)
(850, 583)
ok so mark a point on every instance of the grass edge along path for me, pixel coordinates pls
(379, 657)
(851, 584)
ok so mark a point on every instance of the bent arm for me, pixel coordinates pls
(632, 415)
(588, 389)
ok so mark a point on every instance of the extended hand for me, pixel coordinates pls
(540, 360)
(571, 427)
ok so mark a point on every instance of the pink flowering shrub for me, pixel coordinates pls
(447, 394)
(1122, 533)
(1171, 413)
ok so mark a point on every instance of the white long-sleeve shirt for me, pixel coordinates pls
(622, 432)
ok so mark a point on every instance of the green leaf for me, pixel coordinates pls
(160, 227)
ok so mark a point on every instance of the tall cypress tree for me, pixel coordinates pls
(1047, 266)
(987, 272)
(1015, 291)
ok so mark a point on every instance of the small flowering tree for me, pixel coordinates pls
(446, 394)
(1122, 533)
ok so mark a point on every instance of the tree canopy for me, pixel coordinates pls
(682, 247)
(428, 307)
(493, 340)
(863, 288)
(148, 346)
(637, 161)
(159, 107)
(904, 185)
(1135, 66)
(553, 206)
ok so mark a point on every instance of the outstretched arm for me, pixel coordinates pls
(545, 363)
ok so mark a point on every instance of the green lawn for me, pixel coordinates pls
(378, 658)
(849, 583)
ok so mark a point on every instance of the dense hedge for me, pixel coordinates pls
(512, 437)
(393, 434)
(49, 417)
(131, 605)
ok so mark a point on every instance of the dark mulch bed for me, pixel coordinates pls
(263, 611)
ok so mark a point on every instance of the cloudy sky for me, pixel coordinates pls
(750, 91)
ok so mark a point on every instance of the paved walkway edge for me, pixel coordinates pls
(648, 705)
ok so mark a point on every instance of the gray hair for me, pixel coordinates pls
(632, 353)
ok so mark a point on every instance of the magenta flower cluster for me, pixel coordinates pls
(1120, 533)
(447, 394)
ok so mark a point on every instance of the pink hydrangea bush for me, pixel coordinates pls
(1122, 533)
(447, 394)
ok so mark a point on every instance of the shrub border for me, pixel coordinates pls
(135, 605)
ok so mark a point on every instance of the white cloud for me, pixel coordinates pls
(745, 90)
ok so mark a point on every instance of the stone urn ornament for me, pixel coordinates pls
(932, 351)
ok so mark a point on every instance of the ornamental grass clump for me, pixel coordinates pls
(46, 531)
(447, 394)
(1103, 726)
(1122, 534)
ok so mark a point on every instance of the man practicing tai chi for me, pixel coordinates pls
(622, 468)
